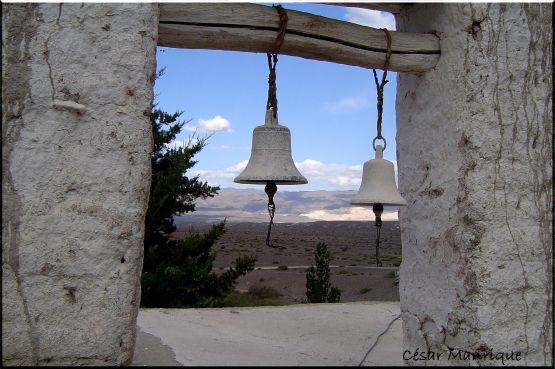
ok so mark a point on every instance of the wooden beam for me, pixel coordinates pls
(250, 27)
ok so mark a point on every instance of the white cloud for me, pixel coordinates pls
(346, 104)
(189, 141)
(350, 213)
(331, 176)
(342, 176)
(338, 175)
(219, 147)
(216, 174)
(212, 125)
(345, 181)
(238, 167)
(310, 166)
(371, 18)
(216, 124)
(190, 127)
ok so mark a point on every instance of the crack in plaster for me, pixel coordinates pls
(539, 30)
(46, 52)
(33, 335)
(15, 95)
(47, 60)
(493, 42)
(522, 104)
(526, 285)
(378, 339)
(498, 112)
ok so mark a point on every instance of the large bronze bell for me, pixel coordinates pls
(271, 159)
(271, 162)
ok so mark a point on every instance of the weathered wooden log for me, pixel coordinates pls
(250, 27)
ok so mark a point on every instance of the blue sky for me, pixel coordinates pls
(329, 108)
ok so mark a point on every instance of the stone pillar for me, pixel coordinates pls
(474, 141)
(76, 143)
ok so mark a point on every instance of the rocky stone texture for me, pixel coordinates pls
(475, 163)
(76, 139)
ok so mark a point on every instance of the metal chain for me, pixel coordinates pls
(379, 90)
(271, 190)
(272, 98)
(272, 89)
(271, 211)
(378, 229)
(377, 208)
(273, 59)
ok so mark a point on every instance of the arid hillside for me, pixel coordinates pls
(249, 205)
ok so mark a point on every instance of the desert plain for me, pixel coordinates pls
(352, 256)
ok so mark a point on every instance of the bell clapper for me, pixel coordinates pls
(378, 210)
(270, 190)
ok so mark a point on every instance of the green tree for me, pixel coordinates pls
(178, 273)
(318, 285)
(171, 191)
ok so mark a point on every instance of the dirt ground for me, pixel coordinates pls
(352, 262)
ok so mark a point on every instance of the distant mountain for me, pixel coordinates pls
(250, 205)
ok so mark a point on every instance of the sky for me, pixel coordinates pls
(329, 108)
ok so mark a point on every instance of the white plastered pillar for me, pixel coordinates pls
(474, 141)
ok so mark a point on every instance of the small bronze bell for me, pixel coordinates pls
(378, 189)
(378, 183)
(378, 176)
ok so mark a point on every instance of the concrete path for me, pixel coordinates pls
(346, 334)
